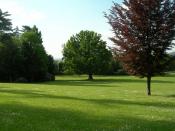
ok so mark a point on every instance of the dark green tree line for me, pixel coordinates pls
(22, 55)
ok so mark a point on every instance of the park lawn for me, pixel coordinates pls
(71, 103)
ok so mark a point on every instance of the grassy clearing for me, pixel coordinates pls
(73, 104)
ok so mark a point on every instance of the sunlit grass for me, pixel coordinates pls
(116, 103)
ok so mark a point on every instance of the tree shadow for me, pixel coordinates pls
(29, 93)
(170, 75)
(102, 102)
(100, 82)
(171, 96)
(18, 117)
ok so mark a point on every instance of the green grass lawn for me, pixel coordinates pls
(73, 104)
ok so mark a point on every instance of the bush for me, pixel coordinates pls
(121, 72)
(49, 77)
(21, 80)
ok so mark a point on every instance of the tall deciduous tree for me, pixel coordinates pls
(143, 31)
(86, 53)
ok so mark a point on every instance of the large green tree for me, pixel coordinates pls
(143, 32)
(86, 53)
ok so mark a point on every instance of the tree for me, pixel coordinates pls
(22, 55)
(51, 65)
(10, 58)
(143, 32)
(9, 51)
(5, 23)
(86, 53)
(59, 67)
(171, 64)
(34, 54)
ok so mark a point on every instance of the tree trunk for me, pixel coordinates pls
(90, 77)
(149, 85)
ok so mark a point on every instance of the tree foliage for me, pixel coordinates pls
(34, 54)
(51, 65)
(9, 51)
(143, 32)
(86, 53)
(5, 22)
(10, 58)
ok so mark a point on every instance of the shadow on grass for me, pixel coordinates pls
(17, 117)
(170, 75)
(102, 102)
(100, 82)
(171, 96)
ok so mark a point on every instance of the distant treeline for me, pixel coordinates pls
(24, 59)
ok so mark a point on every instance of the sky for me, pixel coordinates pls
(58, 20)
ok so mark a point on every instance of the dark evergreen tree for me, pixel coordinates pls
(10, 59)
(9, 51)
(34, 54)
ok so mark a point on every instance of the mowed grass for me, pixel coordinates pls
(72, 103)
